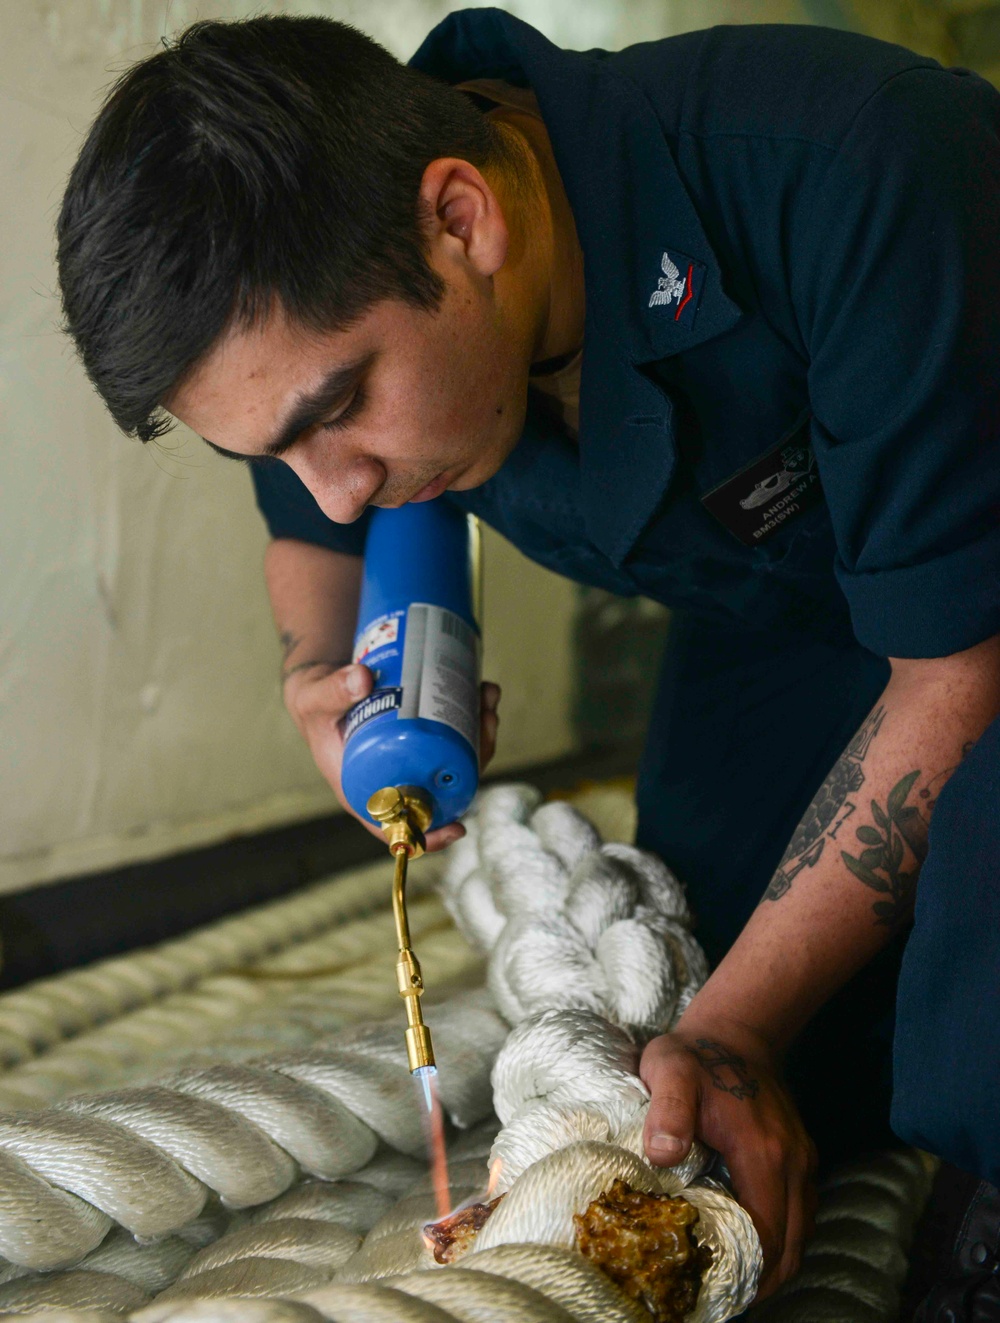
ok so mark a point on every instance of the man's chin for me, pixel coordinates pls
(487, 466)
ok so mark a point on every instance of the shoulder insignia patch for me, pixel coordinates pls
(679, 287)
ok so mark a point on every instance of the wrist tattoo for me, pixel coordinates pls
(289, 671)
(726, 1069)
(832, 805)
(289, 642)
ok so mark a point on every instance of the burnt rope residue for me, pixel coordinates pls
(646, 1244)
(450, 1237)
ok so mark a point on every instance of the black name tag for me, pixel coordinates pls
(779, 486)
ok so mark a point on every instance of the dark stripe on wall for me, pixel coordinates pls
(81, 919)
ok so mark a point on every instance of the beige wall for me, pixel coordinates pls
(139, 712)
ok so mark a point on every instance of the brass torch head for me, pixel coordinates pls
(404, 815)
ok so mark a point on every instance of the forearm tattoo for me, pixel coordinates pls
(289, 642)
(829, 810)
(899, 837)
(725, 1068)
(894, 842)
(896, 845)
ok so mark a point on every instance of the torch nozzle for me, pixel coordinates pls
(404, 816)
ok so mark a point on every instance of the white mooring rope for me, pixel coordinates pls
(589, 953)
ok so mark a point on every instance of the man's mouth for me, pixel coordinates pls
(429, 491)
(434, 488)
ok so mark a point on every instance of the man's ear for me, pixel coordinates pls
(463, 219)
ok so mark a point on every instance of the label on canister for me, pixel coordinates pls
(377, 704)
(426, 664)
(441, 670)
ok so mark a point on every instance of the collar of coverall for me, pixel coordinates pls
(635, 220)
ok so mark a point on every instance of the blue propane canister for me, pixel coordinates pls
(417, 632)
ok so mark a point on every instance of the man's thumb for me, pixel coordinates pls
(669, 1129)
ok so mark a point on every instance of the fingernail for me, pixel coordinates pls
(666, 1146)
(355, 682)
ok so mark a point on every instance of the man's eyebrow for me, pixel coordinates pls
(228, 454)
(310, 409)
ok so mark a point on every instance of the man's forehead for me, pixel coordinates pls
(273, 344)
(273, 355)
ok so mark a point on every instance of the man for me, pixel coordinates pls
(777, 250)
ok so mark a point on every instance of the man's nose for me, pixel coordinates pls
(342, 490)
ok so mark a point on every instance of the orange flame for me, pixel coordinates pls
(436, 1150)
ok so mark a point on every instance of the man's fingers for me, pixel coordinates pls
(354, 682)
(760, 1184)
(799, 1224)
(812, 1203)
(669, 1129)
(321, 706)
(487, 738)
(802, 1201)
(488, 722)
(330, 695)
(489, 695)
(437, 840)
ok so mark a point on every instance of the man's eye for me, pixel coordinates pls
(347, 413)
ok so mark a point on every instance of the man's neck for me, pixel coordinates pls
(546, 260)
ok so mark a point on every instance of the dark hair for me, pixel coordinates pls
(272, 159)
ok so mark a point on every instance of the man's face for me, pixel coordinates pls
(400, 407)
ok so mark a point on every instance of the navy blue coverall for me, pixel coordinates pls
(789, 426)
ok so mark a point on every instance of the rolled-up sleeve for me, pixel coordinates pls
(290, 511)
(897, 279)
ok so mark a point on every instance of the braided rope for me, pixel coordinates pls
(565, 1089)
(240, 1016)
(569, 922)
(853, 1266)
(148, 1157)
(590, 953)
(35, 1018)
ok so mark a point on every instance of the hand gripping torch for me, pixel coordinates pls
(411, 752)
